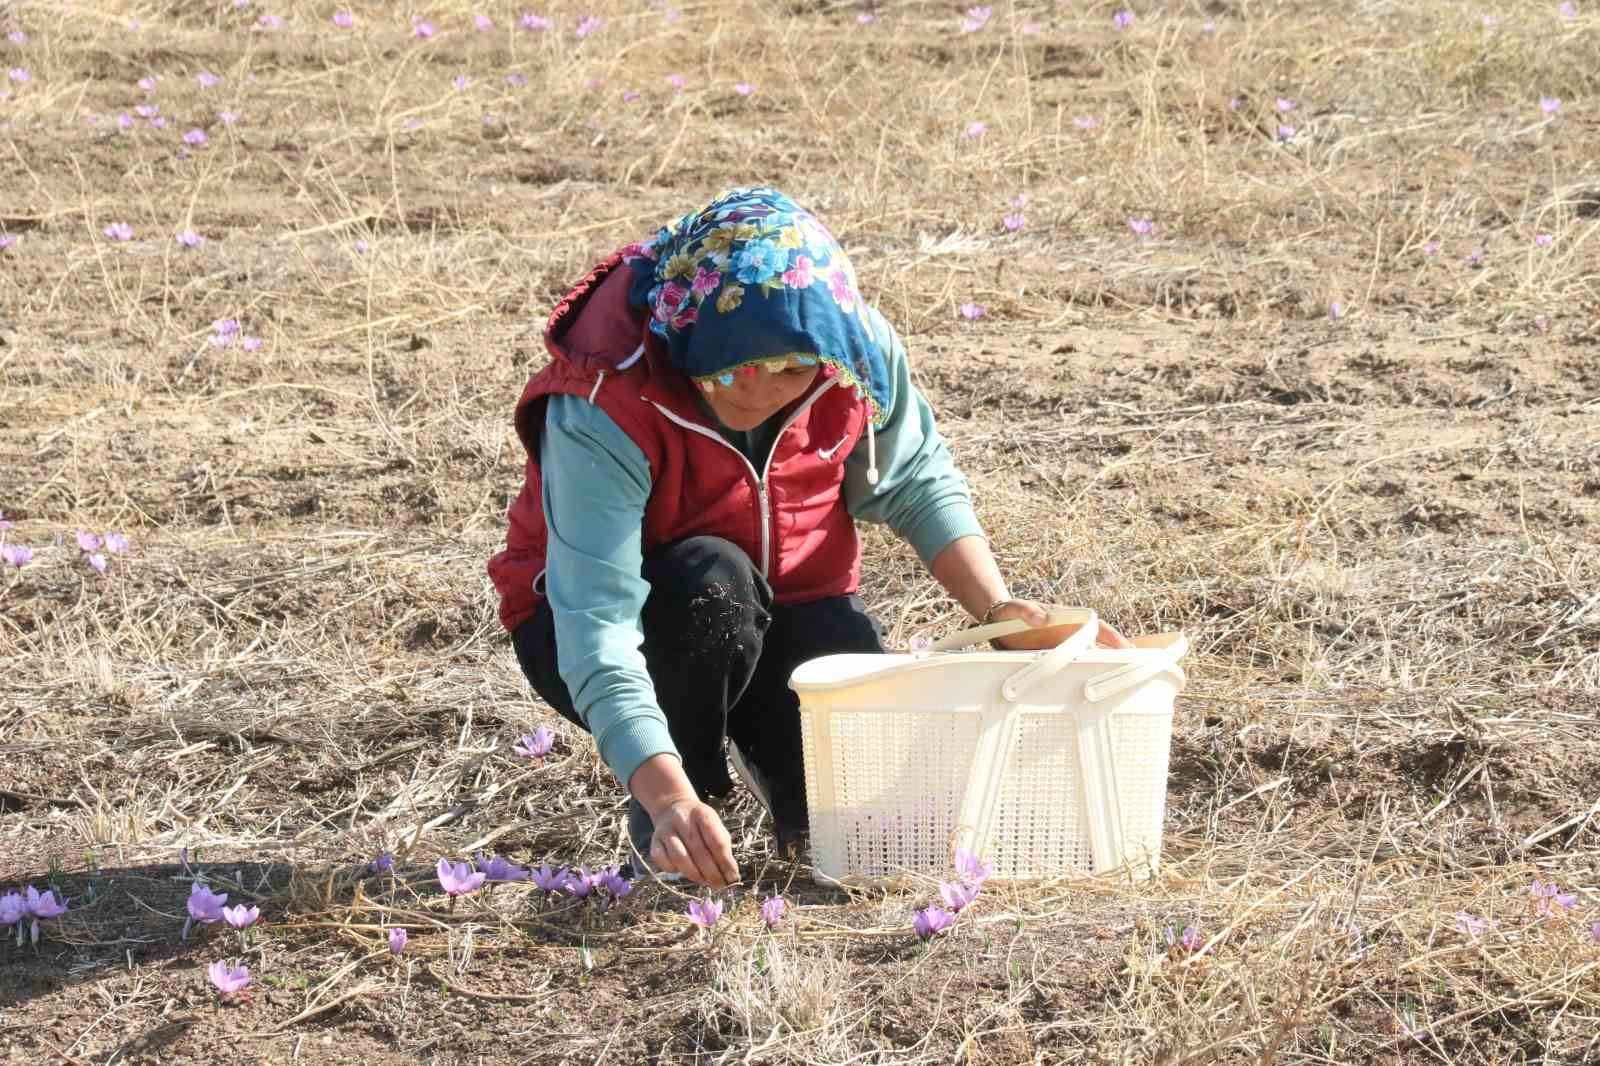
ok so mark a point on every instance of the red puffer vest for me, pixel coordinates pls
(789, 517)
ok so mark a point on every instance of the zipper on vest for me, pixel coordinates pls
(759, 478)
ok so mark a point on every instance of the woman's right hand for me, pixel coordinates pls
(690, 838)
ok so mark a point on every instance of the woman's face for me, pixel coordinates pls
(754, 398)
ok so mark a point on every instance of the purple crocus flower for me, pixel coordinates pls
(227, 118)
(1014, 221)
(6, 241)
(241, 917)
(118, 231)
(189, 239)
(496, 868)
(516, 81)
(931, 921)
(147, 83)
(1335, 311)
(1543, 240)
(677, 81)
(1568, 10)
(146, 110)
(1186, 941)
(88, 542)
(13, 908)
(1122, 19)
(270, 22)
(1285, 105)
(206, 79)
(461, 81)
(958, 896)
(17, 37)
(1550, 105)
(16, 555)
(397, 940)
(44, 904)
(1549, 900)
(972, 311)
(344, 20)
(975, 129)
(744, 88)
(705, 913)
(205, 905)
(1142, 226)
(589, 24)
(250, 344)
(158, 123)
(540, 23)
(536, 746)
(1594, 932)
(460, 879)
(422, 29)
(1086, 122)
(977, 18)
(970, 868)
(1475, 257)
(19, 75)
(382, 864)
(482, 23)
(580, 883)
(195, 138)
(550, 880)
(772, 910)
(1285, 132)
(229, 980)
(97, 562)
(613, 884)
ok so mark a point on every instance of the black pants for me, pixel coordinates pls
(720, 654)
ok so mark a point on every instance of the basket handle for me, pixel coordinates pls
(1174, 646)
(995, 630)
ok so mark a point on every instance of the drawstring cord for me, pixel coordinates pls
(872, 451)
(597, 383)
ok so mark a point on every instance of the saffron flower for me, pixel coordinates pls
(580, 883)
(204, 906)
(1475, 257)
(1013, 221)
(1085, 122)
(1543, 240)
(550, 880)
(461, 81)
(1549, 104)
(241, 917)
(496, 868)
(866, 18)
(1335, 311)
(19, 75)
(97, 562)
(88, 542)
(1549, 901)
(530, 21)
(12, 909)
(1471, 925)
(677, 81)
(422, 29)
(189, 239)
(206, 79)
(672, 15)
(230, 981)
(147, 83)
(958, 896)
(1568, 11)
(612, 883)
(227, 118)
(1430, 249)
(270, 22)
(536, 746)
(705, 913)
(382, 864)
(744, 89)
(119, 231)
(1122, 19)
(516, 81)
(482, 23)
(772, 910)
(44, 904)
(1594, 932)
(17, 37)
(931, 921)
(975, 129)
(16, 555)
(1286, 106)
(977, 18)
(1285, 132)
(397, 940)
(6, 241)
(1143, 227)
(460, 879)
(629, 96)
(972, 311)
(970, 868)
(589, 24)
(343, 19)
(1186, 941)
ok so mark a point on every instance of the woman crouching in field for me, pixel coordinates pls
(720, 408)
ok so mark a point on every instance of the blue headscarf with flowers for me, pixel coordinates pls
(753, 279)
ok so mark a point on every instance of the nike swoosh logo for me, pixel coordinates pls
(827, 453)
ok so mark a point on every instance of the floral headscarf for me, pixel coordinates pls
(752, 280)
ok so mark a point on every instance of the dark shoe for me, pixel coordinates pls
(790, 834)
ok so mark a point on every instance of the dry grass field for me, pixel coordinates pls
(1335, 412)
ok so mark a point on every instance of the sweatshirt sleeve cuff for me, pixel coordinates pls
(629, 743)
(933, 533)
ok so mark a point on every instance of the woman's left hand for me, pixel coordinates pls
(1042, 636)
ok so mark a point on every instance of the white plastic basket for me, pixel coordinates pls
(1043, 763)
